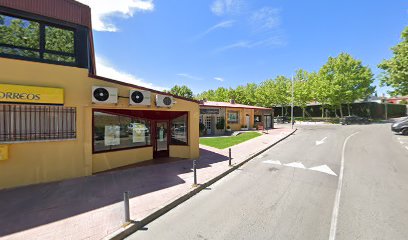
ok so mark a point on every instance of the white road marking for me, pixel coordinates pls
(323, 169)
(335, 214)
(295, 165)
(273, 162)
(261, 156)
(406, 147)
(321, 141)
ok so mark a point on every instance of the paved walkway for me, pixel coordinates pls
(91, 207)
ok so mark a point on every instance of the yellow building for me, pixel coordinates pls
(59, 120)
(235, 117)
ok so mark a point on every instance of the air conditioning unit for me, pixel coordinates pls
(138, 97)
(164, 101)
(104, 95)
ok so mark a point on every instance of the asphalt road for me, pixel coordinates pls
(267, 199)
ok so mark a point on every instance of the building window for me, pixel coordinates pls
(232, 117)
(28, 39)
(33, 123)
(179, 129)
(257, 118)
(113, 131)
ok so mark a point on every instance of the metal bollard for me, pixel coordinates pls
(126, 205)
(195, 172)
(230, 158)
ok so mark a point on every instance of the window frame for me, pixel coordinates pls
(117, 149)
(43, 22)
(260, 118)
(32, 111)
(229, 121)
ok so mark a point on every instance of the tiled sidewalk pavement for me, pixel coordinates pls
(91, 207)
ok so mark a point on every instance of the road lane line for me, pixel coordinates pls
(333, 226)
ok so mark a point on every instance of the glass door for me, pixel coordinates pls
(161, 148)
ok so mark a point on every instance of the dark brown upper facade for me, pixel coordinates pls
(64, 10)
(61, 12)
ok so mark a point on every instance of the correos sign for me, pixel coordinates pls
(30, 94)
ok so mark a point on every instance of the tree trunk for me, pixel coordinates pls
(348, 108)
(303, 113)
(341, 111)
(322, 111)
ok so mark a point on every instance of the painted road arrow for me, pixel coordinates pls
(321, 141)
(321, 168)
(295, 165)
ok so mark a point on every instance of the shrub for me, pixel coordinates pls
(220, 124)
(202, 127)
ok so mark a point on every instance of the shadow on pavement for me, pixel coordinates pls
(31, 206)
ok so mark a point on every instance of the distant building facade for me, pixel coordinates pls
(234, 116)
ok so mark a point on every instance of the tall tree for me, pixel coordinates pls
(343, 80)
(274, 92)
(182, 91)
(302, 90)
(246, 94)
(396, 68)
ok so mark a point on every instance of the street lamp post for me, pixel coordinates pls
(293, 99)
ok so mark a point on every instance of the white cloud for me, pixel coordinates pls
(219, 79)
(102, 9)
(224, 24)
(276, 41)
(222, 7)
(188, 76)
(266, 18)
(105, 69)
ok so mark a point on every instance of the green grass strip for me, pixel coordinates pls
(225, 142)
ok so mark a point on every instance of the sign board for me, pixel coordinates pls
(215, 111)
(139, 130)
(3, 152)
(30, 94)
(112, 135)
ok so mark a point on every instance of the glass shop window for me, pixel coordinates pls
(257, 118)
(113, 132)
(179, 130)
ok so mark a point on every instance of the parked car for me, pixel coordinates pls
(400, 126)
(354, 120)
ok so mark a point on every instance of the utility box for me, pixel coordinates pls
(3, 152)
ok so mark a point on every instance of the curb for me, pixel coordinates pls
(137, 225)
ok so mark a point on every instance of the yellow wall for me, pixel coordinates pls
(38, 162)
(109, 160)
(242, 118)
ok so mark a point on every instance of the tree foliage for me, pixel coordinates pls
(182, 91)
(396, 68)
(343, 80)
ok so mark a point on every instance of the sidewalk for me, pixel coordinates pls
(91, 207)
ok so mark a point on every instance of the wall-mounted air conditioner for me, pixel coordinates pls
(104, 95)
(164, 101)
(138, 97)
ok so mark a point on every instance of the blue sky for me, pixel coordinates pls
(205, 44)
